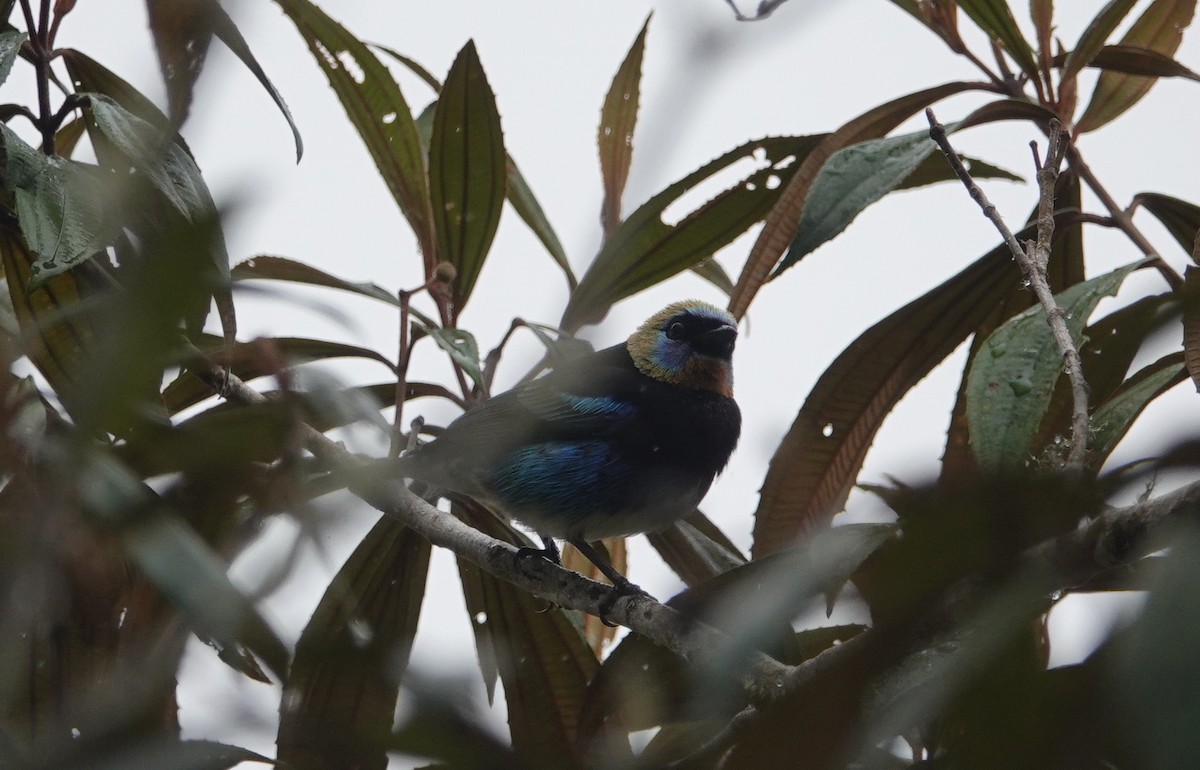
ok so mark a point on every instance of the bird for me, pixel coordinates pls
(615, 442)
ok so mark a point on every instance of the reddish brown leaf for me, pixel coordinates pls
(784, 220)
(817, 462)
(1191, 323)
(182, 31)
(1160, 29)
(597, 634)
(618, 117)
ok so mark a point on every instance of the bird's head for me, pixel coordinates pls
(688, 343)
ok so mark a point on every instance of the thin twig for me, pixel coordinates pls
(1032, 261)
(1122, 217)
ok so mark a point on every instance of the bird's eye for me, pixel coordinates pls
(676, 331)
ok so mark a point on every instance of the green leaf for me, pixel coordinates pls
(995, 18)
(541, 656)
(784, 218)
(520, 194)
(1181, 218)
(817, 463)
(266, 267)
(61, 207)
(711, 271)
(1190, 294)
(935, 169)
(1113, 419)
(459, 344)
(352, 656)
(1094, 37)
(645, 250)
(852, 179)
(10, 46)
(377, 109)
(467, 171)
(1159, 29)
(1133, 60)
(176, 560)
(1012, 380)
(618, 117)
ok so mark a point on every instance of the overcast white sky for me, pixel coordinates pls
(709, 84)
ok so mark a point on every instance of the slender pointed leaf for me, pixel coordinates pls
(695, 549)
(618, 117)
(461, 346)
(1191, 323)
(375, 105)
(995, 18)
(1011, 382)
(596, 632)
(182, 32)
(1095, 36)
(543, 660)
(1160, 29)
(266, 267)
(645, 250)
(1115, 416)
(351, 658)
(467, 170)
(784, 218)
(816, 464)
(520, 194)
(1133, 60)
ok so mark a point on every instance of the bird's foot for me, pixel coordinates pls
(548, 551)
(620, 588)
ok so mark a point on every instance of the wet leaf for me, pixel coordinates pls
(341, 695)
(645, 250)
(467, 171)
(1012, 379)
(10, 46)
(378, 111)
(618, 117)
(816, 464)
(1160, 28)
(61, 207)
(784, 218)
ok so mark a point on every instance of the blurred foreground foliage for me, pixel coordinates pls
(128, 488)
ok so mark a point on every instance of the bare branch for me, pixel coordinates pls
(1032, 261)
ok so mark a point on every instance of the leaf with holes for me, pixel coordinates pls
(815, 467)
(645, 250)
(376, 107)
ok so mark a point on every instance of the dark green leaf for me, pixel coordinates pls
(711, 271)
(784, 217)
(1160, 29)
(1190, 293)
(1011, 382)
(353, 653)
(1095, 36)
(1113, 419)
(10, 46)
(995, 18)
(852, 179)
(1133, 60)
(694, 554)
(816, 464)
(1182, 219)
(467, 171)
(61, 206)
(461, 346)
(377, 108)
(935, 169)
(413, 65)
(618, 117)
(645, 250)
(182, 33)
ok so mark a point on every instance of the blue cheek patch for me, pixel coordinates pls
(670, 354)
(569, 477)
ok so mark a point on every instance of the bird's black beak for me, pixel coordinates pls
(717, 342)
